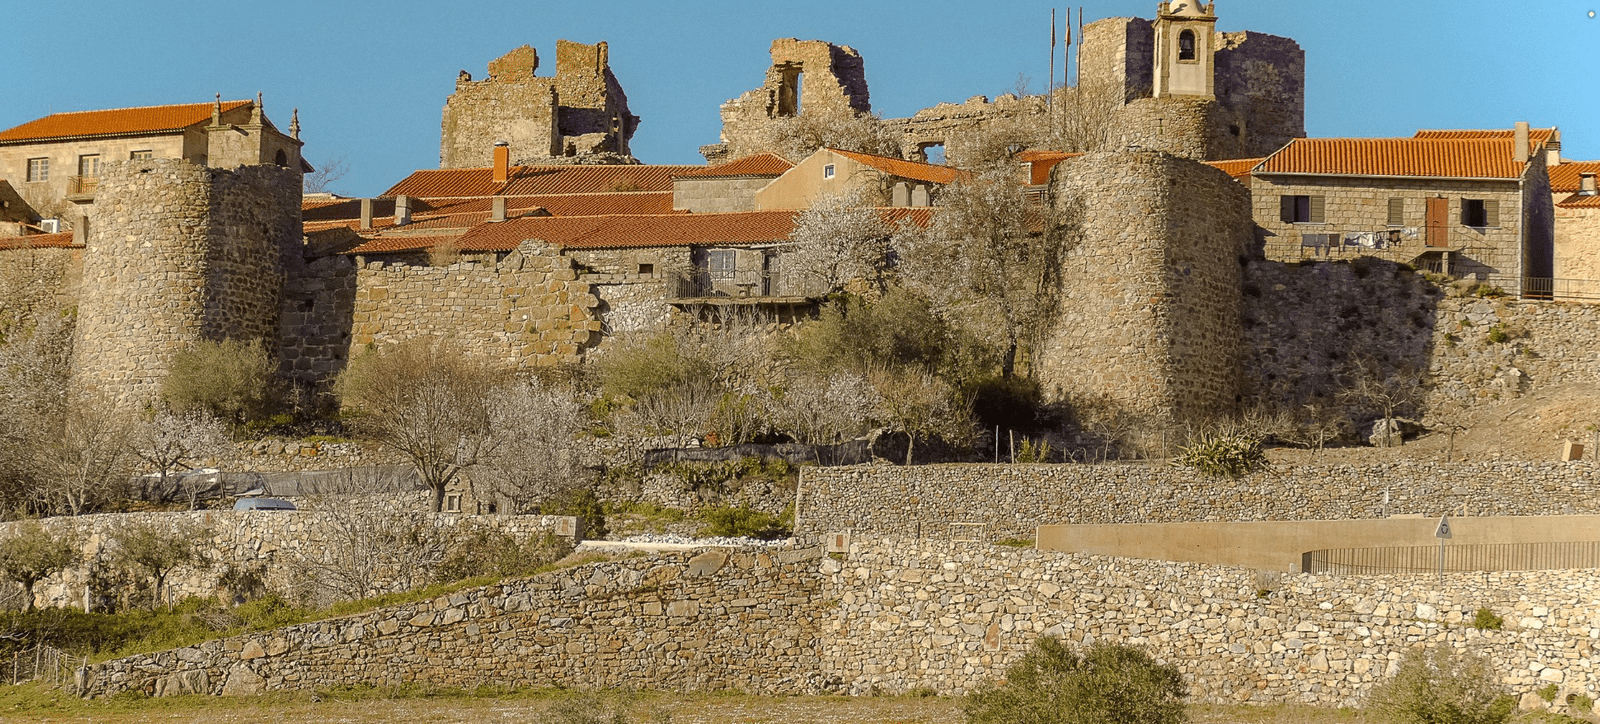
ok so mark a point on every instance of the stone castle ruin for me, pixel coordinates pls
(1173, 84)
(578, 115)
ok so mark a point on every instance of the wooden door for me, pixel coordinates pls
(1438, 222)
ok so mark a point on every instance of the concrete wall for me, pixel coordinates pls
(209, 266)
(1011, 501)
(1150, 312)
(1278, 545)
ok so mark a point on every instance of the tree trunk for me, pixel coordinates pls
(911, 440)
(1008, 364)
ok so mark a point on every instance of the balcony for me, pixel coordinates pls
(81, 188)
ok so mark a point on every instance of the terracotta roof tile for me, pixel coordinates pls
(120, 121)
(397, 244)
(1441, 158)
(905, 169)
(1566, 177)
(1236, 167)
(533, 180)
(62, 240)
(1536, 136)
(466, 213)
(1577, 201)
(634, 231)
(761, 164)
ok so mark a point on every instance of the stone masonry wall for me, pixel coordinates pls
(317, 318)
(745, 620)
(34, 281)
(180, 253)
(1577, 247)
(895, 615)
(1261, 79)
(925, 614)
(1010, 501)
(528, 309)
(268, 542)
(1149, 319)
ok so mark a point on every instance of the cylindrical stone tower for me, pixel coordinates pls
(178, 253)
(1150, 312)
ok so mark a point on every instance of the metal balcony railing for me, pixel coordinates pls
(1561, 289)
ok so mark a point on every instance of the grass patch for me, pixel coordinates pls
(1015, 542)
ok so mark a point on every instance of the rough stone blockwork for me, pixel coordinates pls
(1012, 500)
(896, 615)
(741, 620)
(268, 542)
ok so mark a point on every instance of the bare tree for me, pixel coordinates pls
(1384, 389)
(920, 405)
(33, 400)
(991, 261)
(800, 136)
(86, 460)
(537, 457)
(171, 441)
(429, 401)
(823, 411)
(839, 239)
(1084, 117)
(322, 179)
(366, 553)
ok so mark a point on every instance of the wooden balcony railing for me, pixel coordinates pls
(82, 185)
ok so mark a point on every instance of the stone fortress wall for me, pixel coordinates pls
(183, 253)
(896, 614)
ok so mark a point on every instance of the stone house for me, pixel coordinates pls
(730, 186)
(55, 163)
(1470, 207)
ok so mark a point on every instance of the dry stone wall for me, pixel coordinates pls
(273, 544)
(180, 253)
(1010, 501)
(745, 620)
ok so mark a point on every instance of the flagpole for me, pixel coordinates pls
(1051, 89)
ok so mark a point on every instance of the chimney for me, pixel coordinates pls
(502, 161)
(498, 211)
(402, 210)
(1586, 185)
(1519, 152)
(1552, 149)
(80, 230)
(366, 214)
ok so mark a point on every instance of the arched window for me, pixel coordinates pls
(1186, 45)
(282, 159)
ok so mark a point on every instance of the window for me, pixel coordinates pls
(38, 169)
(452, 503)
(719, 263)
(89, 165)
(1480, 212)
(1397, 212)
(1186, 45)
(647, 268)
(141, 155)
(1302, 209)
(827, 171)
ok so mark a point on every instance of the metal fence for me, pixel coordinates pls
(1561, 289)
(1457, 558)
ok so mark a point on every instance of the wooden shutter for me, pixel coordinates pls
(1286, 209)
(1318, 210)
(1397, 212)
(1491, 212)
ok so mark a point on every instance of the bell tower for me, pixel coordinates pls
(1184, 65)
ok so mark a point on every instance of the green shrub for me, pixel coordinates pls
(486, 552)
(1498, 334)
(1439, 686)
(743, 522)
(1107, 684)
(231, 380)
(1548, 692)
(1485, 620)
(1579, 703)
(585, 505)
(1033, 452)
(1221, 455)
(32, 554)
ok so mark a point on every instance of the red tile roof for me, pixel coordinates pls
(761, 164)
(1567, 176)
(1236, 167)
(531, 180)
(62, 240)
(401, 243)
(1536, 136)
(120, 121)
(901, 168)
(1040, 163)
(1576, 201)
(624, 232)
(1426, 157)
(465, 213)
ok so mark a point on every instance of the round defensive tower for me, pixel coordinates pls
(1149, 325)
(179, 252)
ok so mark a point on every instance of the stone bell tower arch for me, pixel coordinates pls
(1185, 41)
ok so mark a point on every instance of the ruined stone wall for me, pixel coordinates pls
(180, 253)
(1149, 319)
(1010, 501)
(893, 615)
(745, 620)
(1261, 81)
(1489, 254)
(272, 544)
(581, 110)
(810, 78)
(527, 309)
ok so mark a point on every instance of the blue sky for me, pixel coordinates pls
(370, 78)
